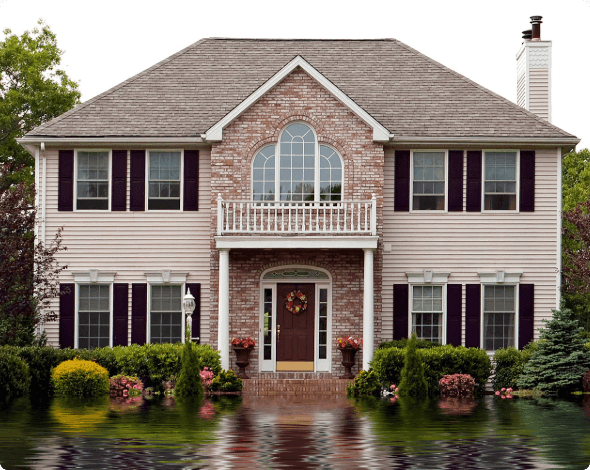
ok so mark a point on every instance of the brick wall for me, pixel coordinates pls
(297, 98)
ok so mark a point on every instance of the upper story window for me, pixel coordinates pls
(92, 180)
(500, 181)
(428, 182)
(164, 171)
(306, 171)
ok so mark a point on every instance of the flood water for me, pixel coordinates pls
(327, 433)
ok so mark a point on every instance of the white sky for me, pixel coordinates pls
(107, 41)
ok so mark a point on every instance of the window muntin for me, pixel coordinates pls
(428, 185)
(94, 316)
(297, 163)
(500, 181)
(263, 174)
(330, 174)
(499, 314)
(427, 312)
(166, 314)
(92, 180)
(164, 180)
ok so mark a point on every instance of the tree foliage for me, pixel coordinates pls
(560, 360)
(33, 90)
(28, 269)
(189, 384)
(413, 381)
(576, 179)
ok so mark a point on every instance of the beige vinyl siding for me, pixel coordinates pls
(539, 92)
(131, 243)
(464, 243)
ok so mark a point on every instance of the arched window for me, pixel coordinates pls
(307, 171)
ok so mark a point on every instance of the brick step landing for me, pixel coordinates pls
(294, 387)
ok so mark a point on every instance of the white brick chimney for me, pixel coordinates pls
(533, 72)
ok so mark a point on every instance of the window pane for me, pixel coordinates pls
(166, 314)
(500, 181)
(429, 179)
(92, 180)
(499, 317)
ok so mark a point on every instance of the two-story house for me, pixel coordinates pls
(306, 190)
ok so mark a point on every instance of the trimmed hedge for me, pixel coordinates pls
(14, 376)
(153, 363)
(438, 362)
(509, 365)
(402, 343)
(80, 378)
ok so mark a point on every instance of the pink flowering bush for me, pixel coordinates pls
(125, 386)
(504, 392)
(457, 385)
(207, 377)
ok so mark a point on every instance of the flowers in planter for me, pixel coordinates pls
(504, 392)
(349, 341)
(125, 386)
(246, 343)
(207, 377)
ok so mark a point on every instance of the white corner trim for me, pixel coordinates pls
(380, 133)
(428, 276)
(166, 276)
(92, 276)
(499, 277)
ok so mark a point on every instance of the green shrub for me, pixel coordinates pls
(189, 383)
(366, 383)
(208, 357)
(402, 343)
(80, 378)
(438, 362)
(226, 381)
(413, 381)
(14, 376)
(509, 365)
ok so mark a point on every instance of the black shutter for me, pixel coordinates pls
(473, 181)
(137, 202)
(119, 183)
(196, 293)
(191, 180)
(65, 187)
(400, 311)
(526, 314)
(472, 315)
(454, 308)
(138, 313)
(455, 180)
(402, 181)
(67, 312)
(527, 181)
(120, 314)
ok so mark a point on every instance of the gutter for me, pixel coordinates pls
(27, 142)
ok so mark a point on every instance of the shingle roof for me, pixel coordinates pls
(408, 93)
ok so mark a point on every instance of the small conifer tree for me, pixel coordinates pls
(560, 361)
(189, 384)
(413, 381)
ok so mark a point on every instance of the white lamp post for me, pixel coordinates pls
(189, 308)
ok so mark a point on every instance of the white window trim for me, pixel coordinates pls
(92, 276)
(446, 163)
(499, 278)
(320, 365)
(483, 181)
(147, 181)
(317, 179)
(428, 277)
(110, 176)
(165, 277)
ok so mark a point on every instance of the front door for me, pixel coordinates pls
(295, 330)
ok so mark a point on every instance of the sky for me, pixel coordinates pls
(105, 42)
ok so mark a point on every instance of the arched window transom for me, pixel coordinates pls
(306, 171)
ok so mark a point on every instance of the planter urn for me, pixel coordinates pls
(242, 360)
(348, 354)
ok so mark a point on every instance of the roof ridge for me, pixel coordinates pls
(484, 89)
(81, 106)
(301, 39)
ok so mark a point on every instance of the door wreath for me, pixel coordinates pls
(296, 309)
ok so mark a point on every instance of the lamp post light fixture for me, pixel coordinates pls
(189, 308)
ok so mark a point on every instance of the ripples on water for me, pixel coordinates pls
(262, 432)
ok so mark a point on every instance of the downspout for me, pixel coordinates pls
(559, 224)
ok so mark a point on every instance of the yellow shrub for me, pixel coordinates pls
(80, 378)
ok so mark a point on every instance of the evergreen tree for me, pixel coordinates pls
(413, 381)
(560, 360)
(189, 384)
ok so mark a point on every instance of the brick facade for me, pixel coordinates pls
(297, 98)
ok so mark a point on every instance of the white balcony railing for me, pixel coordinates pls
(303, 217)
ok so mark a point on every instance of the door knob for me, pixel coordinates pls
(278, 331)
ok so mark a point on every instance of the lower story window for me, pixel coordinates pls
(427, 312)
(323, 324)
(267, 324)
(94, 316)
(166, 314)
(499, 313)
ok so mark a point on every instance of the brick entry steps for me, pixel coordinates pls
(294, 387)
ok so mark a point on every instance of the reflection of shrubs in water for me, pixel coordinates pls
(78, 414)
(456, 405)
(132, 404)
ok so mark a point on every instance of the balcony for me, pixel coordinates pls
(274, 224)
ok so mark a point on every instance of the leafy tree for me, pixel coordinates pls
(28, 269)
(576, 179)
(560, 360)
(413, 381)
(33, 90)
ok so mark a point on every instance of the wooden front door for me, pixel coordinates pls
(295, 332)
